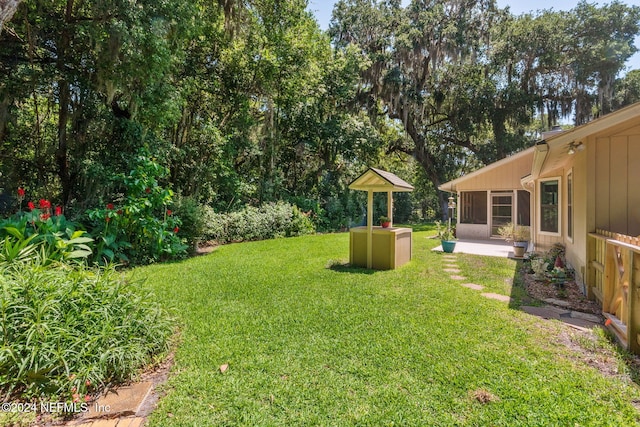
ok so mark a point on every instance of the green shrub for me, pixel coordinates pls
(53, 237)
(269, 221)
(65, 332)
(141, 228)
(192, 215)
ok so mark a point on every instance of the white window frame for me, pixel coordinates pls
(571, 201)
(558, 179)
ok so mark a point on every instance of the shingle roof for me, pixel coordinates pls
(379, 180)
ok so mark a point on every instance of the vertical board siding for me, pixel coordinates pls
(602, 183)
(618, 184)
(633, 188)
(617, 180)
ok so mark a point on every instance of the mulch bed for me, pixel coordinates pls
(571, 294)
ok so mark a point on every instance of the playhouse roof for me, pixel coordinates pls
(380, 181)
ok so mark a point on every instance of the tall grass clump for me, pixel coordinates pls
(68, 331)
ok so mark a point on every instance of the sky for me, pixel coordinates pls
(322, 11)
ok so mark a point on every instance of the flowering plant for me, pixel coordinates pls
(139, 228)
(59, 238)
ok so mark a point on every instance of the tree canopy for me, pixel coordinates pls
(249, 101)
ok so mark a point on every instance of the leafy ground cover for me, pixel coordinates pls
(66, 333)
(310, 341)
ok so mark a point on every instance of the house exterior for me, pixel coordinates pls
(492, 196)
(567, 186)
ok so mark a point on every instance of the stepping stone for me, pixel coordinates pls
(105, 423)
(131, 422)
(121, 402)
(594, 318)
(574, 319)
(473, 286)
(559, 302)
(498, 297)
(456, 277)
(449, 257)
(452, 270)
(545, 312)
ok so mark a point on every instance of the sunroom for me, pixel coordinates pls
(492, 197)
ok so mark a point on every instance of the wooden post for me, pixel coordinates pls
(589, 279)
(370, 229)
(633, 327)
(608, 287)
(390, 206)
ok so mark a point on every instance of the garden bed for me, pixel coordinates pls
(570, 294)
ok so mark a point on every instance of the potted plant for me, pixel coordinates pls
(519, 235)
(385, 221)
(447, 237)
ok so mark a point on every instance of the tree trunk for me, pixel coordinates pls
(5, 102)
(7, 9)
(64, 103)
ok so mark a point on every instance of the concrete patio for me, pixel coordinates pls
(493, 247)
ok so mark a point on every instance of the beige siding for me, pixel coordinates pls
(633, 189)
(505, 177)
(617, 182)
(577, 249)
(606, 193)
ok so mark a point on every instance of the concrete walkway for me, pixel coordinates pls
(494, 247)
(125, 406)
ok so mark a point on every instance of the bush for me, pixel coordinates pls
(266, 222)
(51, 237)
(142, 228)
(66, 332)
(192, 215)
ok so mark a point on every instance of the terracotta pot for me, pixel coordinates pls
(386, 224)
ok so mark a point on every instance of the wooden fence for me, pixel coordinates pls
(614, 280)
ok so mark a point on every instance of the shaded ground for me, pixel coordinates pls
(570, 295)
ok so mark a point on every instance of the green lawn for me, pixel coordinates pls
(310, 342)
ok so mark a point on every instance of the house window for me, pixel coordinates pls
(524, 208)
(570, 205)
(473, 209)
(549, 206)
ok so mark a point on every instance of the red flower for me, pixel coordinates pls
(87, 383)
(20, 193)
(44, 204)
(169, 212)
(31, 206)
(607, 322)
(87, 398)
(176, 229)
(44, 216)
(110, 206)
(107, 218)
(147, 190)
(119, 212)
(58, 211)
(76, 397)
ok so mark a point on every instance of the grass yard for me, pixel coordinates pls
(310, 342)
